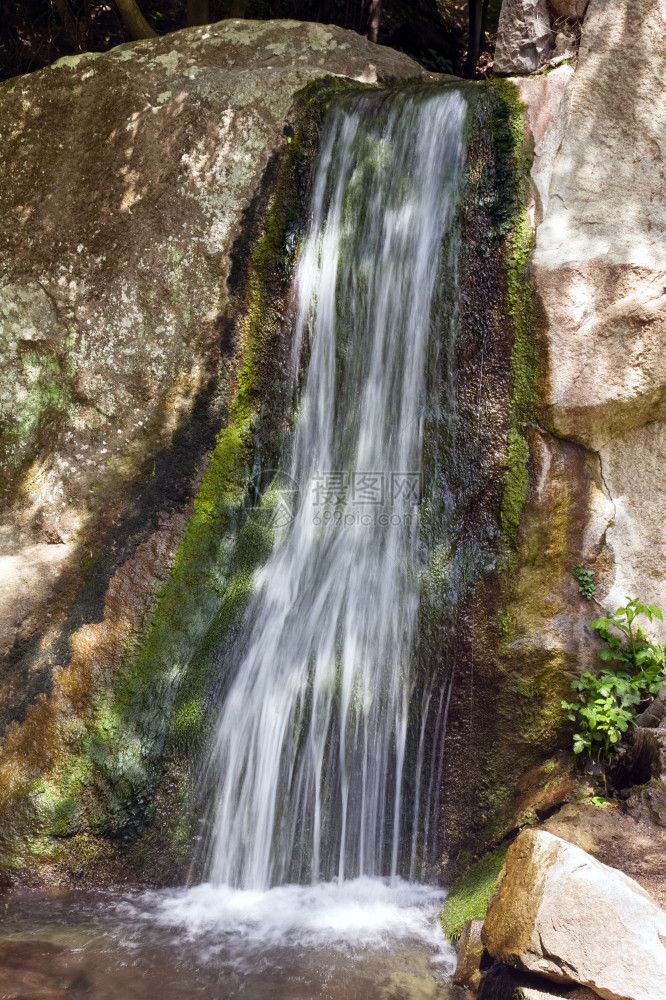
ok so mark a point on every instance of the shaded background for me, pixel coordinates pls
(438, 33)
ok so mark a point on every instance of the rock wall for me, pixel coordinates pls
(532, 34)
(596, 493)
(600, 271)
(150, 205)
(126, 179)
(150, 198)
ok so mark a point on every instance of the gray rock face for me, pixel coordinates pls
(126, 178)
(524, 36)
(559, 913)
(655, 714)
(600, 270)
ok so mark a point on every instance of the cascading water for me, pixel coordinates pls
(331, 735)
(311, 742)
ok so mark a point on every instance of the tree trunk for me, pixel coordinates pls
(473, 36)
(373, 19)
(197, 12)
(478, 13)
(484, 22)
(134, 21)
(237, 8)
(73, 29)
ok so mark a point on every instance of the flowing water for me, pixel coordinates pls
(323, 805)
(311, 740)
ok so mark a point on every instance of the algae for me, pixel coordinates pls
(125, 770)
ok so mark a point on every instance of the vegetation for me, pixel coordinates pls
(443, 35)
(468, 897)
(514, 232)
(585, 577)
(608, 702)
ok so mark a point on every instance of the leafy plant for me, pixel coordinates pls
(607, 702)
(632, 645)
(585, 577)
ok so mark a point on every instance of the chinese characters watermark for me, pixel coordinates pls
(358, 498)
(365, 498)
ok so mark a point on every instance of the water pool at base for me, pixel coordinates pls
(363, 940)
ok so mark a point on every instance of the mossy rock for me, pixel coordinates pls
(126, 758)
(467, 898)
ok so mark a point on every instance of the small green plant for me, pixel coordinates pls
(467, 899)
(585, 577)
(599, 801)
(607, 702)
(504, 622)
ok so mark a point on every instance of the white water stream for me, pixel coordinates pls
(310, 751)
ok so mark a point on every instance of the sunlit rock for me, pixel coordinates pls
(574, 10)
(127, 178)
(524, 36)
(557, 910)
(600, 271)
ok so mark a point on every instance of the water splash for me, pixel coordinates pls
(311, 741)
(359, 914)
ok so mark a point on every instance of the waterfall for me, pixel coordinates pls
(311, 743)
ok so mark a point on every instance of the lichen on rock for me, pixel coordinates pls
(159, 310)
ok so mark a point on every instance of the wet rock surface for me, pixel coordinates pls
(127, 178)
(470, 956)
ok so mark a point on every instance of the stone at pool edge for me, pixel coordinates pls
(559, 913)
(470, 956)
(503, 983)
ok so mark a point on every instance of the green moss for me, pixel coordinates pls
(516, 481)
(43, 397)
(468, 897)
(150, 721)
(504, 622)
(513, 231)
(187, 722)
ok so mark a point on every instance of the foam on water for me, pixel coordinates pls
(357, 915)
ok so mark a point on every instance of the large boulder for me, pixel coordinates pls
(136, 186)
(559, 913)
(128, 184)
